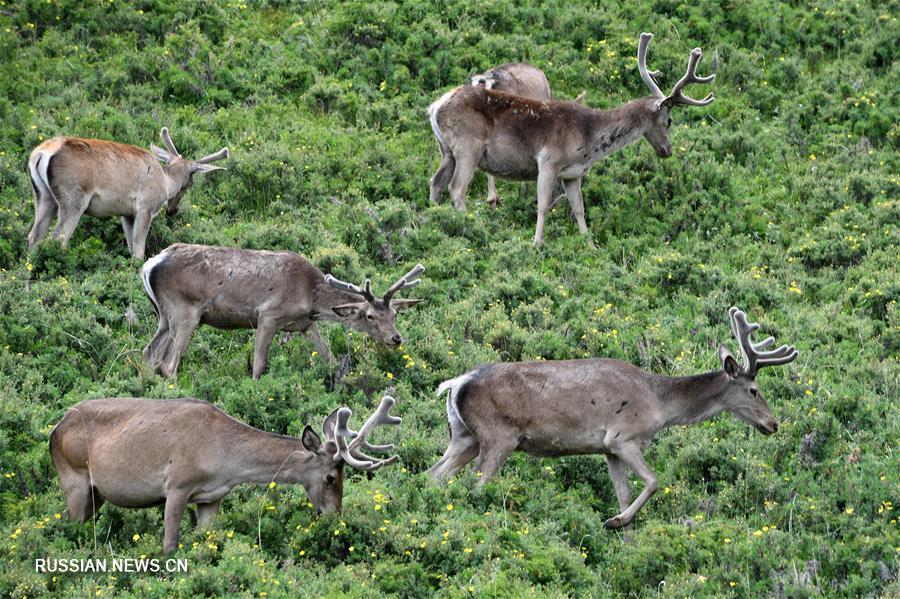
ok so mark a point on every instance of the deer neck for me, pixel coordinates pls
(326, 296)
(262, 457)
(618, 127)
(692, 399)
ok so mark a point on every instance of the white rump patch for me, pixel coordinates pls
(453, 386)
(148, 267)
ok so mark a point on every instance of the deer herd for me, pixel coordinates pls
(134, 452)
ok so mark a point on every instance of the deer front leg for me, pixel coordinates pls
(139, 233)
(493, 198)
(312, 333)
(546, 179)
(176, 502)
(576, 202)
(206, 512)
(630, 455)
(619, 476)
(265, 332)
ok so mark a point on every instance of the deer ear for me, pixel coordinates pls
(310, 440)
(729, 364)
(404, 304)
(328, 425)
(205, 168)
(161, 154)
(345, 310)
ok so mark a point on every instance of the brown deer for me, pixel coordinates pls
(568, 407)
(230, 288)
(521, 139)
(519, 79)
(72, 176)
(138, 453)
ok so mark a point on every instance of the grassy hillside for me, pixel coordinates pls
(781, 198)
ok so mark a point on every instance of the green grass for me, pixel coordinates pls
(781, 198)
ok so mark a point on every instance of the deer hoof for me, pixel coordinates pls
(614, 523)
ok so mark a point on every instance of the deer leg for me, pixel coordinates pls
(576, 202)
(493, 454)
(462, 449)
(183, 328)
(546, 179)
(312, 333)
(128, 229)
(631, 456)
(139, 233)
(176, 502)
(82, 500)
(493, 198)
(442, 176)
(44, 211)
(462, 177)
(265, 332)
(206, 512)
(155, 349)
(71, 207)
(619, 476)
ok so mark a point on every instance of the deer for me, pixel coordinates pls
(139, 453)
(71, 176)
(517, 138)
(520, 79)
(270, 291)
(588, 406)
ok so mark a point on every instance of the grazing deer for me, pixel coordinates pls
(71, 176)
(230, 288)
(519, 79)
(138, 453)
(516, 138)
(569, 407)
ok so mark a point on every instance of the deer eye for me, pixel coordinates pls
(670, 122)
(753, 391)
(329, 479)
(369, 316)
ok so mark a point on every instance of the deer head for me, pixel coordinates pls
(323, 475)
(181, 170)
(744, 399)
(658, 133)
(374, 316)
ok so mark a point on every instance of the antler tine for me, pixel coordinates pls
(407, 281)
(352, 453)
(754, 357)
(164, 134)
(646, 75)
(691, 76)
(220, 155)
(366, 292)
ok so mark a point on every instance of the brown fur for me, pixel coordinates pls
(71, 176)
(566, 407)
(268, 291)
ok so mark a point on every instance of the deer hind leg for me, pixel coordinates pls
(72, 204)
(493, 198)
(45, 210)
(466, 163)
(630, 455)
(158, 346)
(442, 176)
(461, 450)
(183, 326)
(493, 453)
(82, 499)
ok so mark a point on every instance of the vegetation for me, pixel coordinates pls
(781, 198)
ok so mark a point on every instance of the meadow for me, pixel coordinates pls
(781, 198)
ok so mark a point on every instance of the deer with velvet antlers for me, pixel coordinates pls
(513, 137)
(138, 453)
(72, 176)
(230, 288)
(568, 407)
